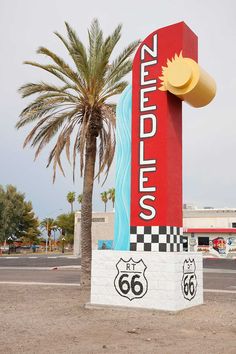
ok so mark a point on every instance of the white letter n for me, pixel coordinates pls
(152, 51)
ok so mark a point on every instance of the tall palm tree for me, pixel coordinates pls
(80, 198)
(71, 198)
(79, 110)
(111, 196)
(104, 196)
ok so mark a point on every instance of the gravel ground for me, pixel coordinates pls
(50, 319)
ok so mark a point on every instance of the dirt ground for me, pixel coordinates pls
(45, 319)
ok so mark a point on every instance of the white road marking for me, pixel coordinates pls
(42, 257)
(69, 267)
(33, 257)
(219, 291)
(37, 283)
(42, 268)
(25, 268)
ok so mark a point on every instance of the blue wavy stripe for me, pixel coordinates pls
(122, 184)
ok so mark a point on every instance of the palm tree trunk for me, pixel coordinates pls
(71, 208)
(50, 244)
(86, 211)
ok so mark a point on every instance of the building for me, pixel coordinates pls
(102, 230)
(212, 231)
(209, 230)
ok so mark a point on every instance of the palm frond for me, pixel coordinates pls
(62, 66)
(125, 55)
(52, 69)
(113, 39)
(116, 89)
(78, 52)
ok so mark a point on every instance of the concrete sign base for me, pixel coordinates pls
(148, 280)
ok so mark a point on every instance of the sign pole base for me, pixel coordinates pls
(146, 280)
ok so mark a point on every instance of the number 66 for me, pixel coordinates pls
(189, 285)
(124, 285)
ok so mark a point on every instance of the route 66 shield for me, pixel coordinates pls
(189, 279)
(130, 281)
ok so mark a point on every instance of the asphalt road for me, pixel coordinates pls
(38, 261)
(218, 274)
(221, 281)
(224, 280)
(54, 276)
(219, 263)
(59, 260)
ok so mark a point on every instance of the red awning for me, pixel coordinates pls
(211, 230)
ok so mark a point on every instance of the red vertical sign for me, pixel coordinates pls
(156, 171)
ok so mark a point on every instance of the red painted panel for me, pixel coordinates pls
(164, 149)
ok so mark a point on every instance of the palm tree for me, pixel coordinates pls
(111, 196)
(71, 198)
(104, 196)
(80, 198)
(48, 224)
(79, 110)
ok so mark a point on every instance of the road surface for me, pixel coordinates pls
(215, 281)
(219, 263)
(218, 274)
(54, 276)
(38, 261)
(60, 260)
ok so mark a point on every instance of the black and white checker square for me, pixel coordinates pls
(156, 238)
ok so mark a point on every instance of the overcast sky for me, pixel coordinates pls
(209, 134)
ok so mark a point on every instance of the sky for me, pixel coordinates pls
(209, 142)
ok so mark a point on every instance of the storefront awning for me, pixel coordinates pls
(211, 230)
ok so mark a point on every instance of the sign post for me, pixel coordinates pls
(148, 258)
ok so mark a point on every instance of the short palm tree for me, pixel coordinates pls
(78, 109)
(104, 197)
(48, 225)
(111, 196)
(71, 199)
(80, 198)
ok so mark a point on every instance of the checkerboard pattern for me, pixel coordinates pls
(156, 238)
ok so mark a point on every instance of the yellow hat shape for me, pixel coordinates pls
(184, 78)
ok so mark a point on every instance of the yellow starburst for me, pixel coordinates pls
(177, 73)
(184, 78)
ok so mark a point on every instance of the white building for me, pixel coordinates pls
(212, 231)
